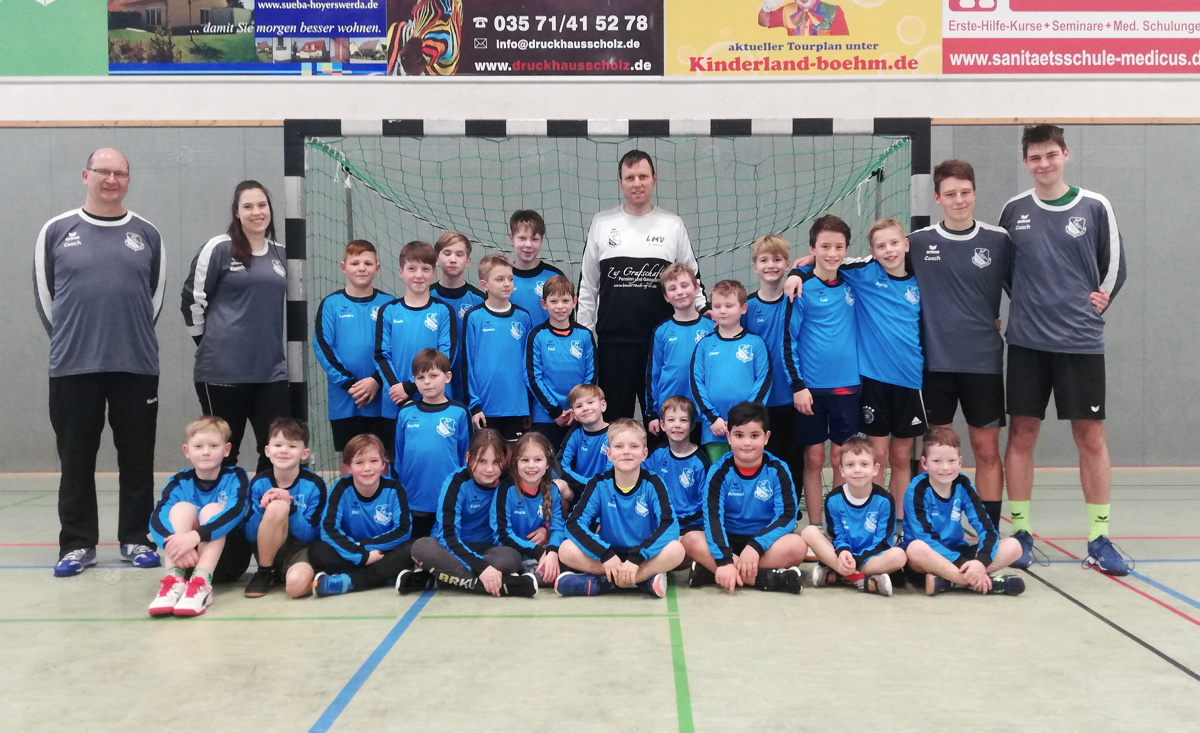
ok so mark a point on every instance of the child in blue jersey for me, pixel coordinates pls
(495, 334)
(528, 513)
(622, 532)
(453, 251)
(749, 514)
(682, 467)
(584, 452)
(365, 533)
(822, 357)
(286, 506)
(462, 551)
(198, 509)
(561, 354)
(526, 232)
(344, 344)
(936, 503)
(729, 366)
(432, 434)
(669, 368)
(861, 520)
(410, 323)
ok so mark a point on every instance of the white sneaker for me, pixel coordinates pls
(169, 593)
(820, 576)
(196, 597)
(881, 584)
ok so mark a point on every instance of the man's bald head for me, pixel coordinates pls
(108, 155)
(107, 181)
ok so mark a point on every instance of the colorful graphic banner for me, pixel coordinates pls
(718, 38)
(52, 38)
(1020, 37)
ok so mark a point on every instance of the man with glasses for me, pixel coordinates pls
(98, 274)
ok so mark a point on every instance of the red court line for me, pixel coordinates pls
(49, 544)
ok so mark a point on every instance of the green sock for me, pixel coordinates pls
(177, 572)
(1097, 520)
(1019, 510)
(203, 573)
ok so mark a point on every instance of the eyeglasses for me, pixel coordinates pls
(105, 173)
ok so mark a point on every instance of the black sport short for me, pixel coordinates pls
(981, 396)
(966, 556)
(834, 418)
(889, 409)
(291, 553)
(1077, 381)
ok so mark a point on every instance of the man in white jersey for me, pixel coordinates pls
(1068, 260)
(620, 298)
(98, 274)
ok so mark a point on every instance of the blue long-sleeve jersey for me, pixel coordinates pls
(726, 371)
(344, 344)
(669, 367)
(607, 520)
(516, 513)
(555, 363)
(887, 324)
(355, 524)
(494, 361)
(401, 332)
(527, 290)
(583, 455)
(460, 300)
(464, 518)
(937, 520)
(767, 319)
(431, 443)
(230, 491)
(821, 350)
(304, 516)
(864, 527)
(759, 505)
(684, 477)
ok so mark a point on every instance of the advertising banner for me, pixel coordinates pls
(1019, 37)
(721, 38)
(52, 38)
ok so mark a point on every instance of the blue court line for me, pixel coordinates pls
(1169, 591)
(51, 567)
(360, 677)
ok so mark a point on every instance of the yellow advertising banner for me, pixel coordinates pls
(714, 38)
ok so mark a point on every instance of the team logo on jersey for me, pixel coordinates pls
(72, 240)
(641, 508)
(686, 478)
(375, 313)
(431, 322)
(913, 295)
(278, 267)
(300, 502)
(462, 310)
(871, 522)
(849, 295)
(956, 512)
(614, 238)
(516, 329)
(745, 353)
(868, 414)
(1077, 226)
(383, 515)
(222, 502)
(538, 288)
(603, 450)
(932, 254)
(577, 349)
(700, 335)
(762, 490)
(539, 511)
(1023, 223)
(982, 257)
(446, 427)
(134, 241)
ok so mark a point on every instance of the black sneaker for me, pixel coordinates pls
(1007, 585)
(700, 576)
(260, 583)
(413, 581)
(520, 586)
(784, 580)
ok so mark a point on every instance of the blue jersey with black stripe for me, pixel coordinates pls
(725, 372)
(767, 319)
(516, 513)
(937, 520)
(684, 477)
(760, 505)
(527, 290)
(584, 454)
(555, 363)
(344, 344)
(304, 516)
(402, 331)
(464, 518)
(460, 299)
(861, 526)
(494, 361)
(887, 322)
(821, 350)
(355, 524)
(637, 520)
(230, 491)
(431, 443)
(669, 367)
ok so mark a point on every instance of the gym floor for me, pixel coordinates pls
(1078, 651)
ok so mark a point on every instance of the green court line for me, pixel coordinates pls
(683, 695)
(452, 616)
(206, 618)
(40, 495)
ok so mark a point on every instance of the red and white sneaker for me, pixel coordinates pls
(196, 598)
(169, 592)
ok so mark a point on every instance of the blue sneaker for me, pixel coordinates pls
(332, 585)
(655, 586)
(581, 584)
(74, 562)
(140, 555)
(1026, 558)
(935, 585)
(1106, 558)
(1007, 585)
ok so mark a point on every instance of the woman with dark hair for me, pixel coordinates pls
(233, 306)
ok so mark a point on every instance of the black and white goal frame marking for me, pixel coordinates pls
(297, 132)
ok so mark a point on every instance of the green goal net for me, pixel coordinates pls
(729, 191)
